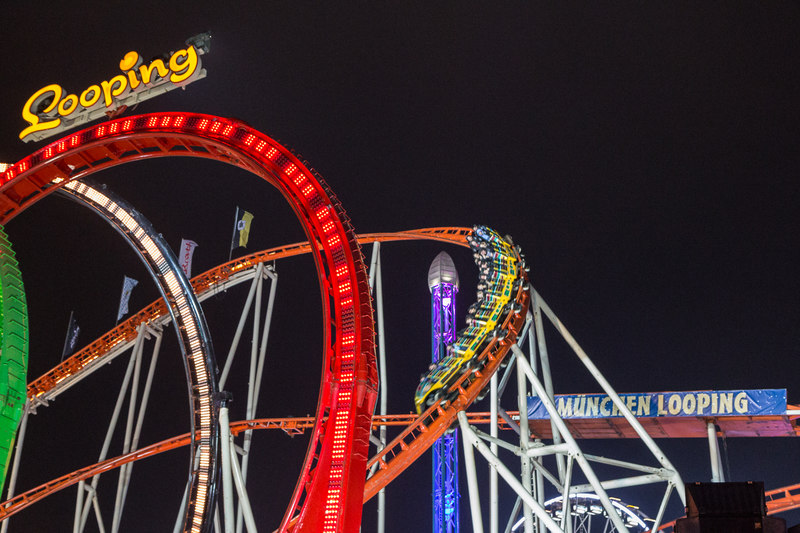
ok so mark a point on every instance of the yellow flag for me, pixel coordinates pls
(243, 220)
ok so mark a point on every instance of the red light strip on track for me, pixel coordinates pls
(332, 500)
(778, 500)
(292, 426)
(402, 451)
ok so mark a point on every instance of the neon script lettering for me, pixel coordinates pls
(46, 108)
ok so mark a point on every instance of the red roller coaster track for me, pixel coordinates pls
(393, 460)
(328, 496)
(420, 431)
(41, 388)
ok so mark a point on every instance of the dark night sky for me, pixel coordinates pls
(643, 155)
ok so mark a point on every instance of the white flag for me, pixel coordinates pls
(127, 286)
(73, 330)
(185, 258)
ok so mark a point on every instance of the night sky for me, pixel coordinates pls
(643, 155)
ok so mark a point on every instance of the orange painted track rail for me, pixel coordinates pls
(431, 424)
(777, 500)
(327, 497)
(783, 499)
(210, 280)
(291, 426)
(95, 354)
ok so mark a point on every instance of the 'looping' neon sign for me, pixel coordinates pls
(49, 110)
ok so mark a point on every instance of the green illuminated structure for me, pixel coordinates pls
(13, 352)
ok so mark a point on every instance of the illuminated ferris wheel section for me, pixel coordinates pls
(585, 506)
(192, 336)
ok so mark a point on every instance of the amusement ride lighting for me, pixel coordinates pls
(631, 518)
(13, 349)
(336, 483)
(189, 324)
(443, 283)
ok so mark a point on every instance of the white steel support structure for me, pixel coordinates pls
(87, 498)
(531, 371)
(494, 499)
(234, 472)
(227, 471)
(132, 443)
(20, 441)
(137, 395)
(562, 464)
(524, 440)
(232, 476)
(717, 475)
(376, 285)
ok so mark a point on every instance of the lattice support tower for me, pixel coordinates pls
(443, 284)
(572, 472)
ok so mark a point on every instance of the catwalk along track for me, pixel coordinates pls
(417, 436)
(331, 484)
(328, 494)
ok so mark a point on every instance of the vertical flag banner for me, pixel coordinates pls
(127, 286)
(241, 231)
(185, 257)
(71, 341)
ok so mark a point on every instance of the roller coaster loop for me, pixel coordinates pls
(328, 496)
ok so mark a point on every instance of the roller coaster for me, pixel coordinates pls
(337, 474)
(499, 274)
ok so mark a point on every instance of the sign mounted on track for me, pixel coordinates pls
(50, 110)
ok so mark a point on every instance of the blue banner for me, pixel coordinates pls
(664, 404)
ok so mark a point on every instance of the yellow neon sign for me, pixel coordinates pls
(49, 108)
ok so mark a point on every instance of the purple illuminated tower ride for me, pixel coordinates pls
(443, 284)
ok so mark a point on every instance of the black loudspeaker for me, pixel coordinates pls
(736, 507)
(745, 498)
(725, 524)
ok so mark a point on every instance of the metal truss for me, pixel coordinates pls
(87, 499)
(560, 466)
(540, 469)
(376, 287)
(234, 470)
(133, 396)
(445, 449)
(445, 484)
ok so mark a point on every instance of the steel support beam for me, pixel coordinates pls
(12, 482)
(609, 390)
(717, 475)
(575, 451)
(472, 440)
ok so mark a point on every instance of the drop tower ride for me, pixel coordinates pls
(443, 284)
